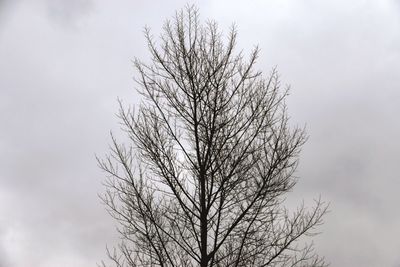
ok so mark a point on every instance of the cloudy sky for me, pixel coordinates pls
(63, 63)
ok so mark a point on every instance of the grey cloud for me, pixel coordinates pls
(2, 259)
(5, 8)
(65, 13)
(57, 103)
(68, 11)
(3, 243)
(4, 4)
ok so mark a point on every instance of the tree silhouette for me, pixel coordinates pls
(210, 157)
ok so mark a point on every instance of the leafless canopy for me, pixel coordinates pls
(211, 155)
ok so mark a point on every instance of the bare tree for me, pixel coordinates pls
(210, 158)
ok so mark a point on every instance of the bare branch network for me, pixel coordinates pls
(211, 155)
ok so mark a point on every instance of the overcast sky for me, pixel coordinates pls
(63, 63)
